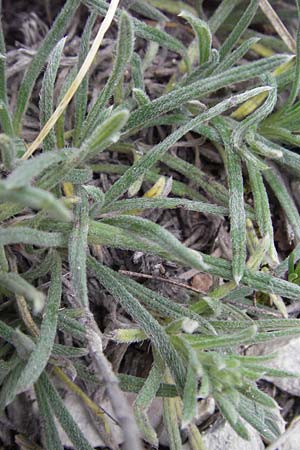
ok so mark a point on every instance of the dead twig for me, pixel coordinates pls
(162, 279)
(278, 25)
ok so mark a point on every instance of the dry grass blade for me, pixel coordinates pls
(278, 25)
(77, 81)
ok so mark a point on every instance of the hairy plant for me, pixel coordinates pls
(54, 218)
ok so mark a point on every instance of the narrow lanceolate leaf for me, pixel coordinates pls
(285, 199)
(163, 305)
(17, 285)
(28, 170)
(101, 233)
(140, 97)
(229, 411)
(147, 10)
(208, 184)
(47, 93)
(78, 249)
(5, 119)
(259, 114)
(38, 62)
(239, 28)
(165, 203)
(153, 232)
(171, 421)
(296, 81)
(228, 340)
(143, 30)
(261, 419)
(143, 402)
(264, 147)
(253, 393)
(189, 396)
(108, 132)
(221, 13)
(262, 207)
(81, 96)
(42, 351)
(145, 320)
(235, 56)
(7, 151)
(3, 260)
(137, 72)
(35, 198)
(26, 235)
(236, 203)
(148, 160)
(64, 417)
(51, 436)
(203, 35)
(123, 56)
(8, 389)
(198, 89)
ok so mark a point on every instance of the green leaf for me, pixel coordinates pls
(239, 28)
(42, 351)
(164, 203)
(175, 99)
(153, 232)
(129, 383)
(171, 423)
(207, 342)
(124, 53)
(7, 151)
(221, 13)
(35, 198)
(8, 389)
(143, 30)
(262, 207)
(28, 170)
(203, 35)
(61, 412)
(296, 81)
(47, 93)
(143, 402)
(259, 418)
(146, 9)
(148, 160)
(208, 184)
(17, 285)
(78, 249)
(254, 119)
(137, 72)
(253, 393)
(5, 119)
(236, 55)
(144, 319)
(106, 133)
(163, 305)
(189, 396)
(38, 61)
(25, 235)
(49, 429)
(81, 96)
(276, 182)
(236, 202)
(3, 260)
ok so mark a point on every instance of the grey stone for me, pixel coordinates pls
(291, 439)
(287, 358)
(223, 437)
(83, 420)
